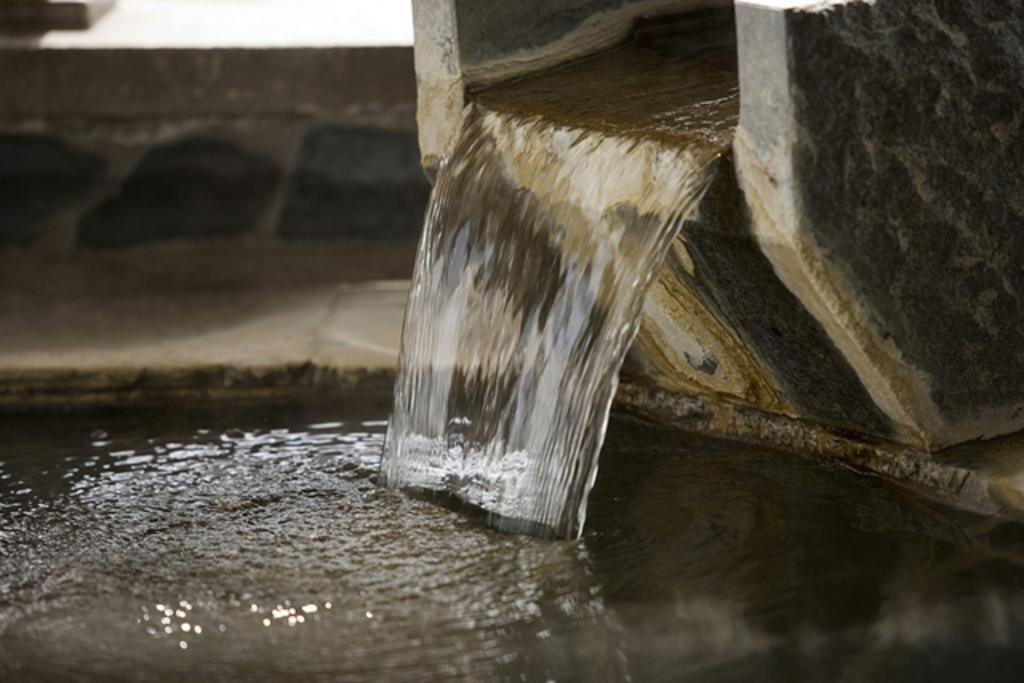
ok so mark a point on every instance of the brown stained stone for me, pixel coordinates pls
(730, 296)
(965, 484)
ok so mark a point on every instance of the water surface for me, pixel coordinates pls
(702, 561)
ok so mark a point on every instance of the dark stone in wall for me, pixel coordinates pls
(193, 189)
(39, 175)
(735, 280)
(914, 183)
(356, 183)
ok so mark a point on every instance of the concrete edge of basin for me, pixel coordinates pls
(112, 348)
(69, 389)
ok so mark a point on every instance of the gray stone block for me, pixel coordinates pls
(39, 175)
(916, 186)
(880, 149)
(355, 183)
(197, 188)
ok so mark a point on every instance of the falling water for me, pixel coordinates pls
(547, 223)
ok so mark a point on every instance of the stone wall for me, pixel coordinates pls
(108, 148)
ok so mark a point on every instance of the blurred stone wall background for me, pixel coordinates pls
(254, 122)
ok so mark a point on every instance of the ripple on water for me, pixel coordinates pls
(252, 544)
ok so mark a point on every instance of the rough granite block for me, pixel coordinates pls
(880, 150)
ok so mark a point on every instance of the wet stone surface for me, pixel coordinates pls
(39, 175)
(356, 183)
(736, 281)
(196, 188)
(251, 543)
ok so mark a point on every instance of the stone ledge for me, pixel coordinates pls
(62, 390)
(878, 155)
(116, 349)
(36, 284)
(168, 58)
(242, 82)
(986, 479)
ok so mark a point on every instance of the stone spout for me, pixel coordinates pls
(857, 264)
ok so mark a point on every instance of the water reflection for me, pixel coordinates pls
(253, 545)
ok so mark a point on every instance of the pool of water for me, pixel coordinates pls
(251, 543)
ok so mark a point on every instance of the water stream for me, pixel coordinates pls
(548, 221)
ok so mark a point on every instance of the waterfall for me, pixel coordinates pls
(547, 224)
